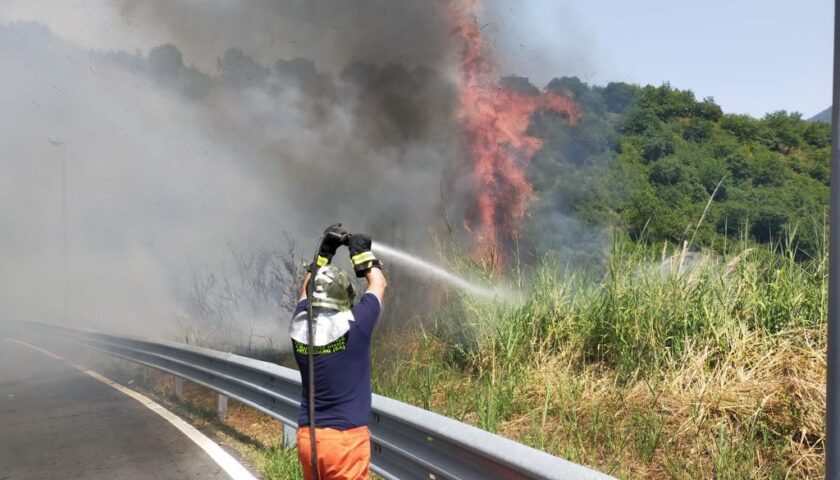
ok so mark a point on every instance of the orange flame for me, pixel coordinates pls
(495, 121)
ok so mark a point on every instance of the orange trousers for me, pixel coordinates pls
(342, 454)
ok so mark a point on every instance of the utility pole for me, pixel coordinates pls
(64, 227)
(832, 397)
(61, 144)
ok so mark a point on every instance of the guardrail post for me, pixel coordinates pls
(179, 388)
(223, 406)
(289, 436)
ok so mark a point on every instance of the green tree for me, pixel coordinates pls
(786, 130)
(619, 96)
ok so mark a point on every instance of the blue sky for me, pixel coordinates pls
(752, 56)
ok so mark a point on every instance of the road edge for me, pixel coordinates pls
(231, 466)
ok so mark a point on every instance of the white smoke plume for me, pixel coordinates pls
(170, 166)
(191, 130)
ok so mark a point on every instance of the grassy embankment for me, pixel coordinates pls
(671, 365)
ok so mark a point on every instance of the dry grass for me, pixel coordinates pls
(757, 413)
(715, 370)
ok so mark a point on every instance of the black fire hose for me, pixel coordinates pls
(310, 288)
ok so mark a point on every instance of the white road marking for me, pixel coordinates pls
(46, 352)
(229, 464)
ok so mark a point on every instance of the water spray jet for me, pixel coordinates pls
(419, 265)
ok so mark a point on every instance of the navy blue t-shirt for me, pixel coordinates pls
(342, 372)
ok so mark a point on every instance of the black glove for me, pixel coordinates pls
(334, 237)
(360, 255)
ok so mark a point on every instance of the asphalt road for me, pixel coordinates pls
(58, 423)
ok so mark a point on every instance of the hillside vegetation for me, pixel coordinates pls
(649, 159)
(824, 116)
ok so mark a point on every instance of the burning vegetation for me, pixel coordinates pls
(495, 121)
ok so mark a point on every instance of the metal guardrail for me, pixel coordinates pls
(406, 442)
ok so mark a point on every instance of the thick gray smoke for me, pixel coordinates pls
(174, 162)
(146, 190)
(207, 141)
(346, 109)
(333, 34)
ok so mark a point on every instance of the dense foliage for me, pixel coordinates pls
(666, 166)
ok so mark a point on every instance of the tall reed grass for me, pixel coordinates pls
(668, 364)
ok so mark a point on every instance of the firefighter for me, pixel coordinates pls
(341, 340)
